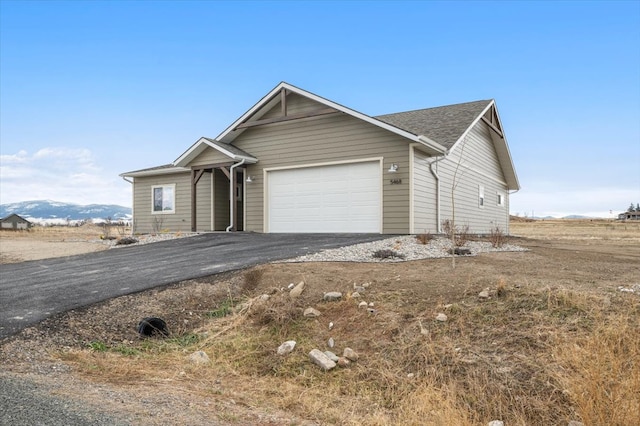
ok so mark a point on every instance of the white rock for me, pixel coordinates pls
(350, 354)
(333, 357)
(343, 362)
(320, 359)
(355, 295)
(371, 304)
(297, 290)
(331, 343)
(441, 317)
(362, 304)
(359, 289)
(332, 296)
(575, 423)
(199, 357)
(484, 294)
(311, 313)
(495, 423)
(330, 326)
(410, 376)
(286, 347)
(292, 285)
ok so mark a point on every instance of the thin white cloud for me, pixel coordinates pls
(62, 174)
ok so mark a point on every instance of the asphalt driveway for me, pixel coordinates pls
(33, 291)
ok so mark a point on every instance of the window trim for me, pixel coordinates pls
(173, 198)
(500, 199)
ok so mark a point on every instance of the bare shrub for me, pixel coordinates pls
(252, 279)
(156, 224)
(279, 310)
(459, 235)
(497, 237)
(424, 238)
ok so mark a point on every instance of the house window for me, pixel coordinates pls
(500, 199)
(163, 199)
(481, 196)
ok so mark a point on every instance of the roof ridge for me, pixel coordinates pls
(432, 108)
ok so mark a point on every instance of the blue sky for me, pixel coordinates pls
(91, 89)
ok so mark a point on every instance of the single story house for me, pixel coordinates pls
(15, 222)
(297, 162)
(629, 215)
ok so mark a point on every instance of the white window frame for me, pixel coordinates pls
(481, 198)
(170, 209)
(500, 200)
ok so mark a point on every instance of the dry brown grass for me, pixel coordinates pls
(577, 229)
(526, 357)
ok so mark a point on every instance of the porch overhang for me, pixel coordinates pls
(234, 153)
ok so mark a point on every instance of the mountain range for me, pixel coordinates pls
(55, 211)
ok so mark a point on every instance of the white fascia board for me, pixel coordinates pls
(157, 172)
(514, 176)
(193, 151)
(473, 123)
(433, 145)
(320, 100)
(250, 160)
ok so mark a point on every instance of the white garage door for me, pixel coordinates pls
(339, 198)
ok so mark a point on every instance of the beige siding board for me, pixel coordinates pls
(144, 220)
(479, 162)
(209, 156)
(203, 203)
(296, 104)
(324, 140)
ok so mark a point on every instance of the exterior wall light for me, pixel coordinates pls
(393, 168)
(249, 179)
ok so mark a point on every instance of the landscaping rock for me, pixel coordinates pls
(332, 296)
(362, 304)
(330, 326)
(331, 343)
(484, 294)
(359, 289)
(441, 317)
(575, 423)
(321, 360)
(355, 295)
(495, 423)
(297, 290)
(343, 362)
(286, 347)
(311, 313)
(199, 358)
(350, 354)
(333, 357)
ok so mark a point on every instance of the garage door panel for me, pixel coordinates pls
(340, 198)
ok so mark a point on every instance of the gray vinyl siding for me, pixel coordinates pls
(477, 165)
(424, 195)
(325, 139)
(144, 221)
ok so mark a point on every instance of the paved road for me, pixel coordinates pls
(33, 291)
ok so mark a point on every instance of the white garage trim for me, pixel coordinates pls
(267, 171)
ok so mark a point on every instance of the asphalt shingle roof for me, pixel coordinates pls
(443, 125)
(231, 148)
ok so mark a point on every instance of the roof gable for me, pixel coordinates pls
(203, 143)
(445, 124)
(275, 96)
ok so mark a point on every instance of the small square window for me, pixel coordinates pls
(481, 196)
(500, 196)
(163, 199)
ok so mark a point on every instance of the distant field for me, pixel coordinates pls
(577, 229)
